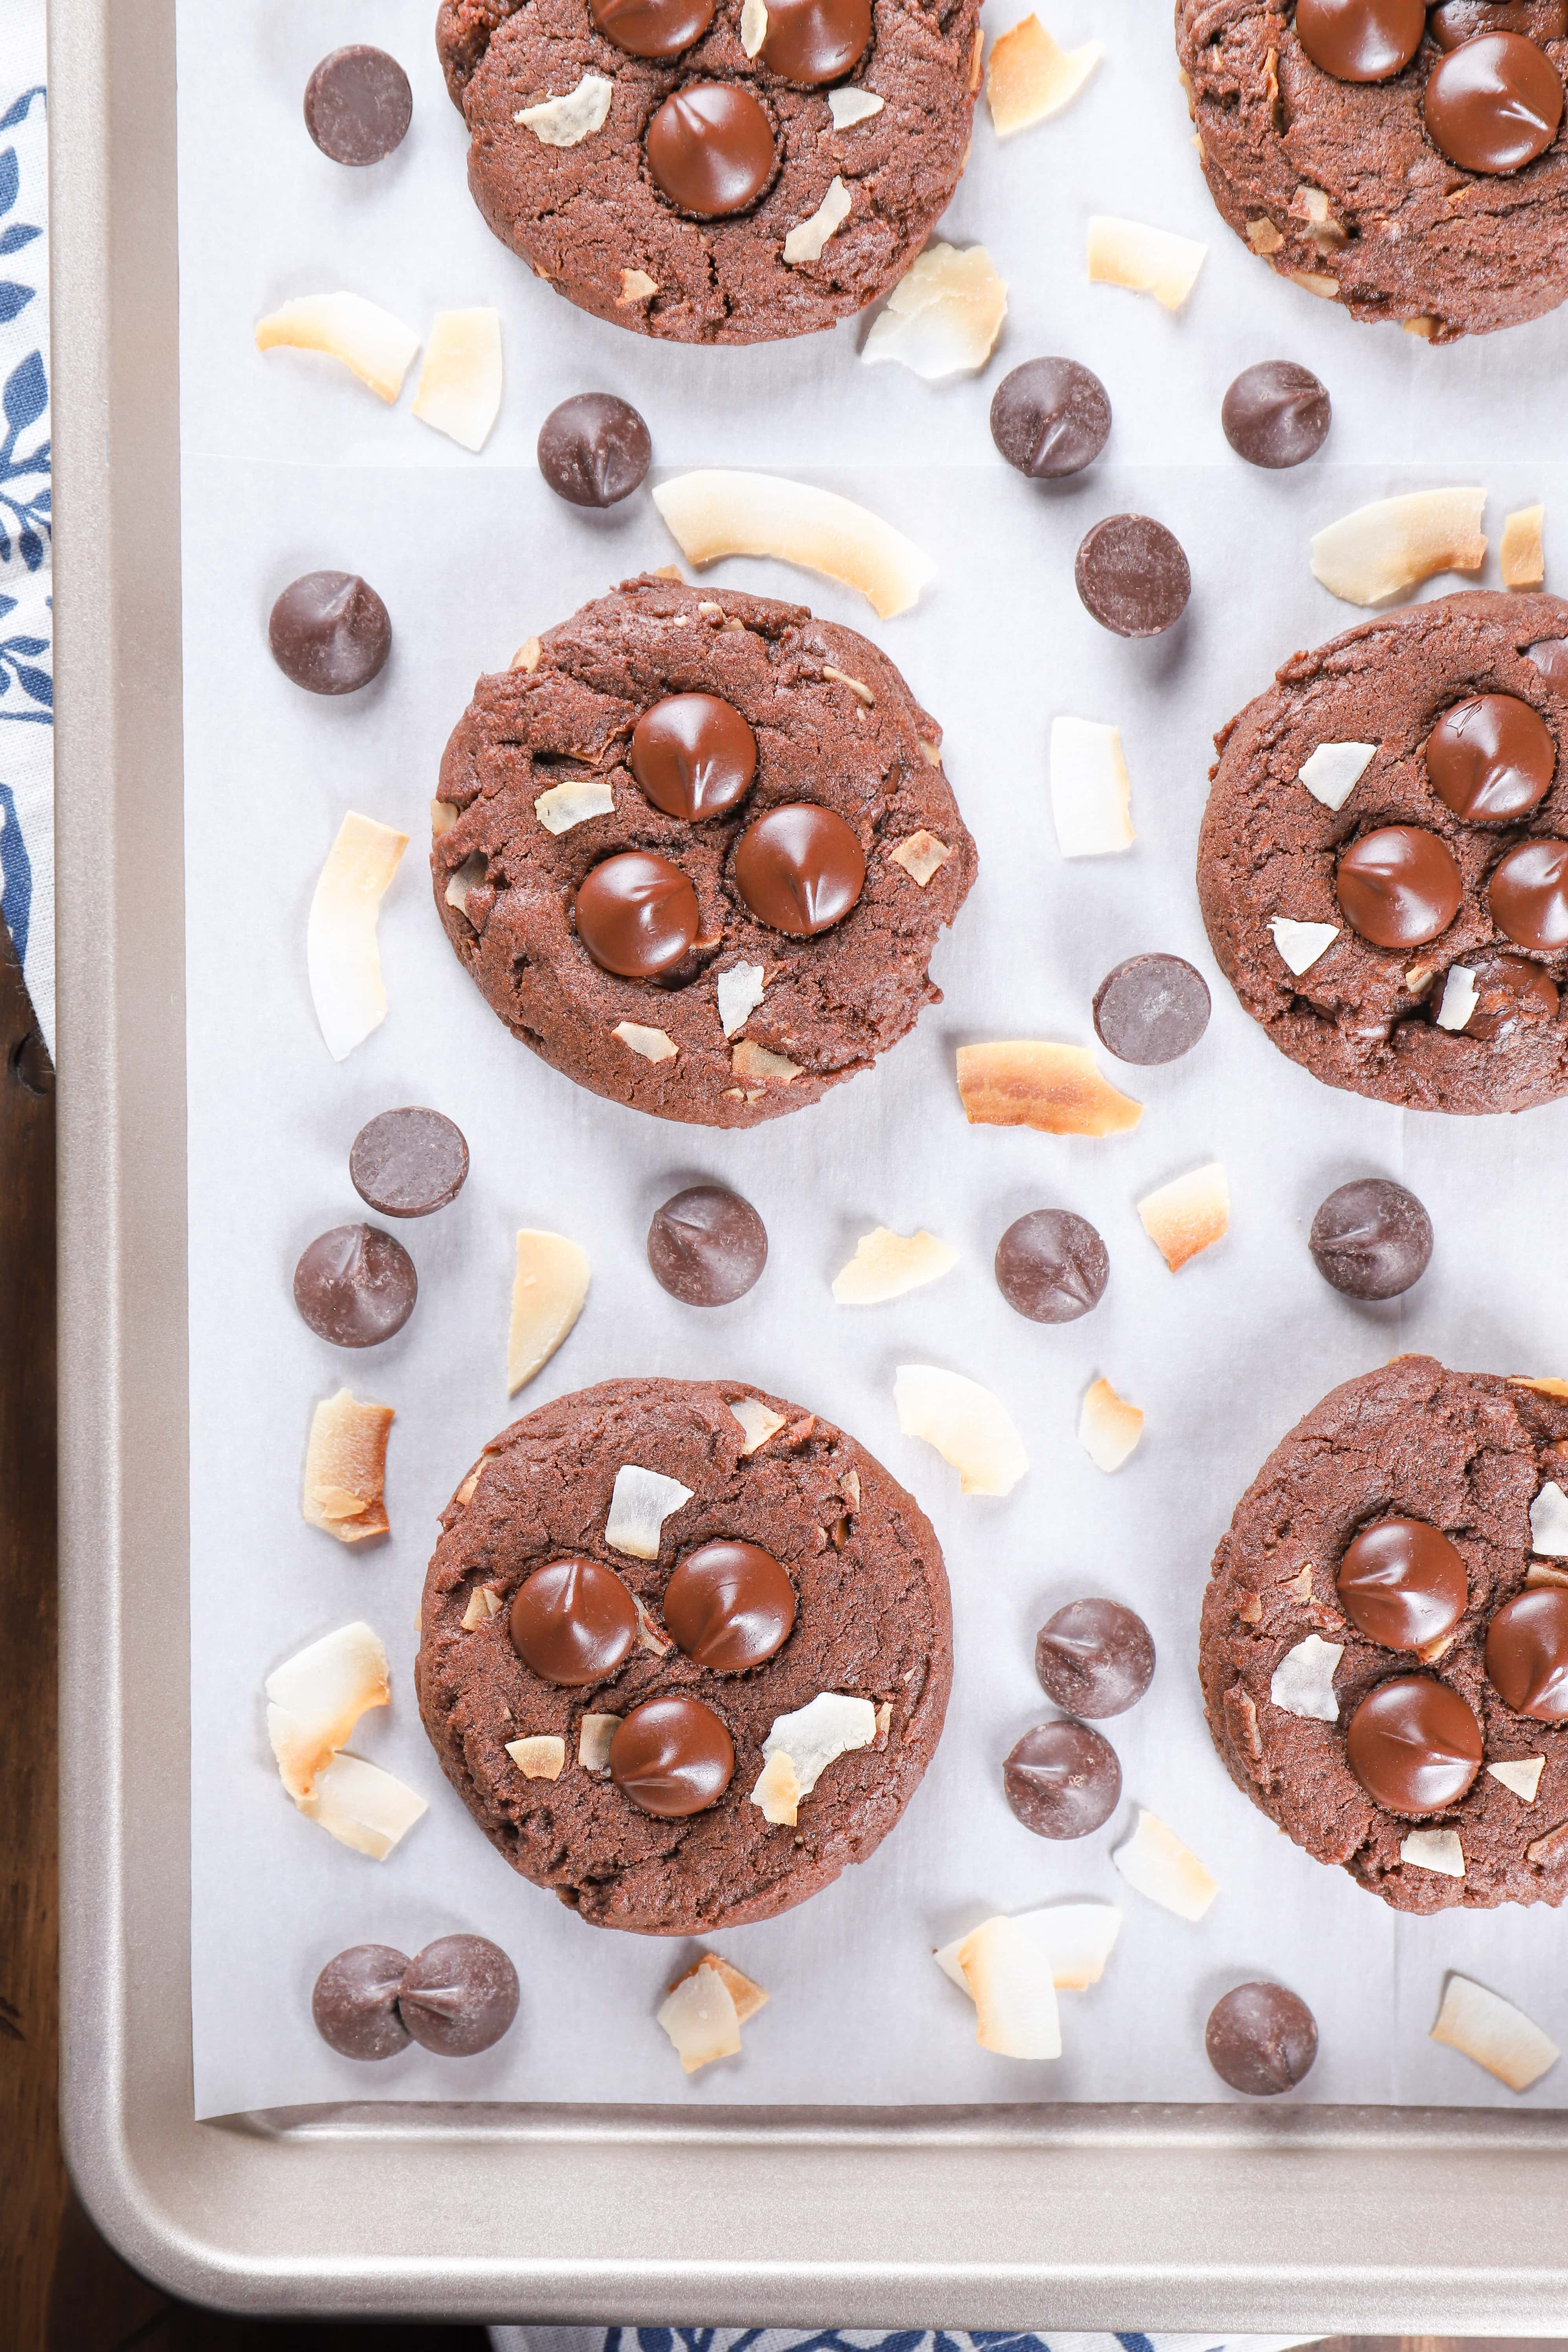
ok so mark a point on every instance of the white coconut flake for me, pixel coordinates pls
(1300, 944)
(595, 1734)
(943, 316)
(642, 1501)
(1108, 1428)
(1380, 549)
(1335, 770)
(316, 1698)
(831, 1724)
(1459, 993)
(1009, 1978)
(342, 952)
(653, 1044)
(1303, 1682)
(566, 122)
(460, 382)
(753, 26)
(1437, 1850)
(574, 803)
(848, 107)
(1144, 260)
(1522, 1774)
(887, 1264)
(805, 241)
(1091, 793)
(740, 990)
(1494, 2033)
(969, 1427)
(700, 2018)
(362, 1807)
(1549, 1522)
(376, 347)
(716, 511)
(548, 1289)
(1156, 1862)
(1078, 1938)
(759, 1422)
(776, 1793)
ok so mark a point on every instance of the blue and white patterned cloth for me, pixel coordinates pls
(26, 616)
(864, 2339)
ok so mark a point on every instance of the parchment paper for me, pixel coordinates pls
(290, 465)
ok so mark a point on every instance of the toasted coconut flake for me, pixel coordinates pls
(886, 1264)
(642, 1501)
(465, 1494)
(541, 1757)
(700, 2018)
(1263, 237)
(1076, 1939)
(377, 347)
(1335, 770)
(595, 1734)
(1108, 1428)
(1189, 1214)
(346, 1467)
(1156, 1862)
(1538, 1572)
(1541, 1849)
(1029, 78)
(316, 1698)
(974, 66)
(1092, 794)
(1494, 2033)
(1009, 1978)
(857, 686)
(804, 242)
(777, 1791)
(848, 107)
(1312, 208)
(1022, 1082)
(444, 815)
(566, 122)
(750, 1060)
(651, 1636)
(740, 992)
(1379, 550)
(1519, 551)
(943, 316)
(1318, 282)
(564, 805)
(1421, 326)
(469, 876)
(460, 382)
(636, 287)
(1145, 260)
(753, 26)
(759, 1422)
(527, 657)
(653, 1044)
(361, 1806)
(831, 1724)
(341, 950)
(968, 1426)
(920, 854)
(1303, 1682)
(1459, 993)
(1549, 1522)
(1300, 944)
(718, 513)
(1436, 1850)
(1522, 1774)
(484, 1602)
(1546, 1386)
(547, 1294)
(747, 1997)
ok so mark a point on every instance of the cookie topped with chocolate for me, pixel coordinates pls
(1383, 861)
(696, 850)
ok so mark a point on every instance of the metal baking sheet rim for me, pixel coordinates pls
(1214, 2219)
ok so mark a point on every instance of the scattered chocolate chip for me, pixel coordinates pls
(355, 1285)
(710, 148)
(800, 868)
(1051, 1266)
(1132, 576)
(1094, 1658)
(1399, 886)
(572, 1621)
(729, 1606)
(636, 914)
(815, 41)
(706, 1246)
(1050, 419)
(1361, 40)
(358, 105)
(672, 1757)
(330, 632)
(1261, 2039)
(652, 28)
(1415, 1745)
(1370, 1239)
(1062, 1780)
(1153, 1008)
(354, 2004)
(409, 1163)
(1276, 414)
(593, 449)
(1493, 104)
(458, 1995)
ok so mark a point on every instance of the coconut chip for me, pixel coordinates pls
(469, 876)
(757, 1420)
(1300, 944)
(378, 348)
(1077, 1939)
(750, 1060)
(528, 656)
(1055, 1088)
(1436, 1850)
(541, 1757)
(547, 1294)
(642, 1501)
(1519, 551)
(566, 122)
(574, 803)
(886, 1264)
(460, 382)
(636, 286)
(1538, 1572)
(848, 107)
(341, 950)
(346, 1467)
(1303, 1682)
(594, 1733)
(316, 1698)
(777, 1791)
(1108, 1428)
(1547, 1385)
(717, 512)
(1189, 1214)
(968, 1426)
(753, 26)
(484, 1602)
(832, 1724)
(920, 854)
(1381, 549)
(943, 316)
(1009, 1978)
(700, 2018)
(1459, 993)
(1522, 1774)
(740, 992)
(747, 1997)
(1145, 260)
(1494, 2033)
(1156, 1862)
(1549, 1522)
(1333, 770)
(444, 815)
(807, 239)
(653, 1044)
(1029, 78)
(1091, 791)
(361, 1806)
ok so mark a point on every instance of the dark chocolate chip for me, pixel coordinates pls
(710, 148)
(1094, 1658)
(1370, 1239)
(355, 1285)
(706, 1246)
(458, 1995)
(1050, 419)
(358, 105)
(1062, 1780)
(1132, 576)
(1153, 1008)
(1261, 2039)
(672, 1758)
(1361, 40)
(593, 449)
(1399, 885)
(354, 2003)
(1051, 1266)
(409, 1163)
(1493, 104)
(330, 632)
(1276, 414)
(1415, 1745)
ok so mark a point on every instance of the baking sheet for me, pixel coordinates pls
(290, 465)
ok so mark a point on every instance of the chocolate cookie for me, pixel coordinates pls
(1393, 1526)
(1407, 162)
(1405, 785)
(723, 174)
(697, 850)
(796, 1550)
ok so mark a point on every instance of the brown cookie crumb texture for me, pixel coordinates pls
(1466, 1453)
(590, 219)
(1338, 185)
(873, 1620)
(832, 1002)
(1362, 1018)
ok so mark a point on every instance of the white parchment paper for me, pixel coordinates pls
(290, 465)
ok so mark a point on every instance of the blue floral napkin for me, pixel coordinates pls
(865, 2339)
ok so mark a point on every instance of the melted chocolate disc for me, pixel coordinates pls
(729, 1606)
(1512, 996)
(572, 1621)
(693, 756)
(1402, 1583)
(800, 868)
(816, 41)
(1528, 894)
(1494, 103)
(1361, 40)
(1491, 758)
(710, 148)
(1398, 887)
(1413, 1745)
(636, 914)
(672, 1757)
(1527, 1654)
(652, 28)
(1461, 20)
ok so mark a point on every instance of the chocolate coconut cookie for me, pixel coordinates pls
(696, 850)
(1384, 860)
(685, 1652)
(714, 174)
(1407, 161)
(1384, 1643)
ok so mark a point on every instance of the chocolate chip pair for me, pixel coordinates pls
(456, 1998)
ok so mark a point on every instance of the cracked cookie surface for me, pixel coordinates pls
(832, 1002)
(1467, 1453)
(872, 1620)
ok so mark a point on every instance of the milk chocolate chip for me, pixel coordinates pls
(458, 1995)
(1050, 419)
(1527, 1654)
(330, 632)
(800, 868)
(355, 1285)
(672, 1757)
(706, 1246)
(1361, 40)
(1413, 1745)
(1153, 1008)
(636, 914)
(816, 41)
(1491, 758)
(652, 28)
(710, 148)
(593, 450)
(693, 756)
(1494, 103)
(1528, 894)
(572, 1621)
(1398, 887)
(729, 1605)
(354, 2003)
(1261, 2039)
(1402, 1583)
